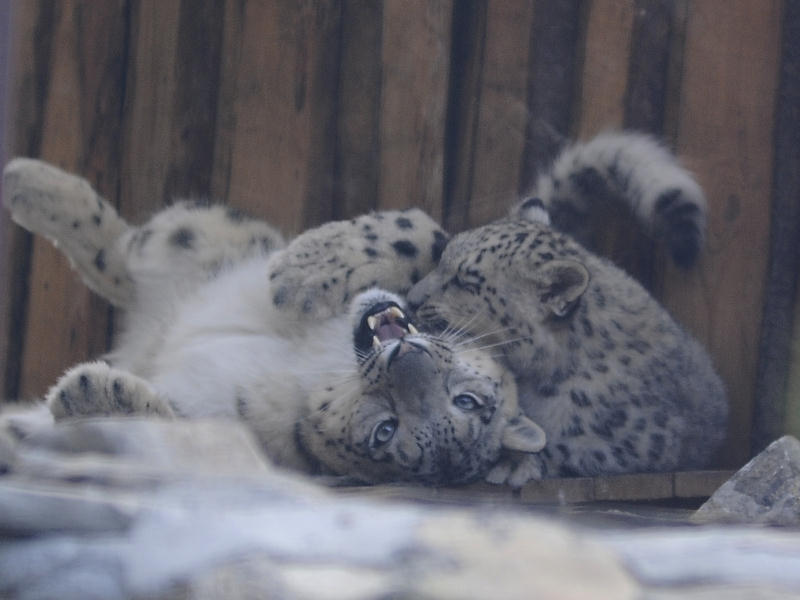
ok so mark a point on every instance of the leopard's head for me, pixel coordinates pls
(513, 286)
(417, 407)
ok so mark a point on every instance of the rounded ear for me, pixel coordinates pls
(523, 435)
(560, 285)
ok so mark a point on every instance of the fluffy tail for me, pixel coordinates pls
(67, 210)
(631, 168)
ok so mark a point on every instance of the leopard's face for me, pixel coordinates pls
(418, 408)
(511, 285)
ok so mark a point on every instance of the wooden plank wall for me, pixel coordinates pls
(300, 112)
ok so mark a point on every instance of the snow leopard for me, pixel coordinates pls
(617, 385)
(309, 343)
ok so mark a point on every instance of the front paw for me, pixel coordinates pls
(96, 389)
(516, 470)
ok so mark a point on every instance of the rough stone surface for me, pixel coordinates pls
(151, 509)
(765, 491)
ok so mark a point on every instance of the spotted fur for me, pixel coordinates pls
(617, 385)
(221, 322)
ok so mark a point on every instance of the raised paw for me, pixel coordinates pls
(518, 469)
(323, 269)
(97, 389)
(66, 209)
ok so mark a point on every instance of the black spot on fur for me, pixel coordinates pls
(97, 219)
(100, 260)
(241, 407)
(183, 238)
(579, 398)
(588, 330)
(371, 252)
(439, 243)
(657, 445)
(280, 297)
(235, 215)
(405, 248)
(404, 223)
(678, 223)
(589, 181)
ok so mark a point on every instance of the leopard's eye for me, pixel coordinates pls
(383, 432)
(463, 282)
(467, 402)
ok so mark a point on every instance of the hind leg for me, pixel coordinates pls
(96, 389)
(67, 210)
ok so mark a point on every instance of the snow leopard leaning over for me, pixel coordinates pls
(617, 385)
(298, 342)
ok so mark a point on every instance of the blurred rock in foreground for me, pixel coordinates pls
(765, 491)
(123, 508)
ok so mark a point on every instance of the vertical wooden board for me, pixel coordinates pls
(150, 93)
(725, 125)
(792, 416)
(194, 107)
(65, 324)
(275, 132)
(23, 120)
(171, 104)
(468, 42)
(605, 66)
(777, 398)
(645, 104)
(502, 111)
(358, 116)
(555, 52)
(416, 56)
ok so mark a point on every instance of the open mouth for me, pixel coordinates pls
(382, 323)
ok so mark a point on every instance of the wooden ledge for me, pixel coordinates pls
(637, 487)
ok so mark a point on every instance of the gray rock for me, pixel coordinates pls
(765, 491)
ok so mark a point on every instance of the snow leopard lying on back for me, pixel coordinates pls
(615, 383)
(300, 343)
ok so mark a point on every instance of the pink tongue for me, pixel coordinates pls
(389, 331)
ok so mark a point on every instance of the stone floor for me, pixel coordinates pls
(142, 509)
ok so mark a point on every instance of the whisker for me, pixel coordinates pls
(473, 339)
(502, 343)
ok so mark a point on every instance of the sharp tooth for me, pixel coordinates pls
(412, 330)
(372, 321)
(393, 310)
(376, 343)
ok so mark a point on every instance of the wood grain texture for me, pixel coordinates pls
(150, 94)
(27, 80)
(777, 395)
(275, 145)
(605, 69)
(503, 113)
(725, 133)
(416, 58)
(358, 143)
(79, 132)
(555, 54)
